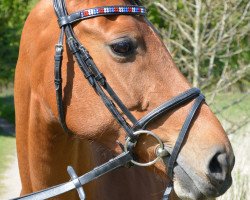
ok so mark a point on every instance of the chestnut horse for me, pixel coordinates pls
(143, 78)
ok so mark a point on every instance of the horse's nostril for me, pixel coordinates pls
(214, 165)
(218, 168)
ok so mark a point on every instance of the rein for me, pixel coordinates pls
(99, 83)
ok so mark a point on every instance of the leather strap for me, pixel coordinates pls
(101, 11)
(91, 73)
(167, 106)
(177, 147)
(185, 128)
(99, 85)
(58, 81)
(111, 165)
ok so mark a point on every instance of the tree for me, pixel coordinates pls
(208, 39)
(12, 17)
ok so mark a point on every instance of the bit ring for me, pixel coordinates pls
(160, 148)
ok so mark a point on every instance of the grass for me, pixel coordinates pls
(229, 106)
(233, 110)
(7, 143)
(7, 149)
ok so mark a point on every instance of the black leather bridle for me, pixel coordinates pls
(99, 83)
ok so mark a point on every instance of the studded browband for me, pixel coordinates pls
(101, 11)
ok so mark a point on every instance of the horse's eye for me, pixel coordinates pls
(123, 48)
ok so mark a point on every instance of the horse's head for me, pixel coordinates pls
(135, 62)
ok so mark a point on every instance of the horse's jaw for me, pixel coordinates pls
(190, 185)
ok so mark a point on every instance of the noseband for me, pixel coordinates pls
(99, 83)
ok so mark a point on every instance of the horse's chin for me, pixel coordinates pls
(184, 186)
(189, 186)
